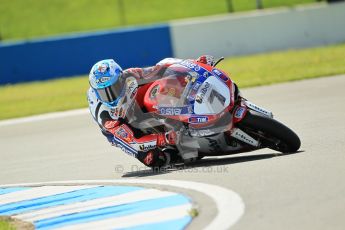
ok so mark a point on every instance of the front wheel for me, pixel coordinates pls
(271, 133)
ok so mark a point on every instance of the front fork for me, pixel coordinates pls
(239, 113)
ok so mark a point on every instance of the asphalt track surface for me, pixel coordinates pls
(297, 191)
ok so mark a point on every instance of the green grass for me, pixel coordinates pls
(4, 225)
(41, 97)
(64, 94)
(269, 68)
(243, 5)
(23, 19)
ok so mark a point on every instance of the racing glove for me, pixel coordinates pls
(206, 59)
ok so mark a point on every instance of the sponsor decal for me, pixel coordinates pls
(124, 134)
(102, 80)
(194, 90)
(147, 146)
(196, 85)
(170, 111)
(217, 72)
(200, 97)
(243, 138)
(190, 65)
(220, 74)
(239, 113)
(197, 120)
(125, 147)
(259, 109)
(203, 72)
(132, 87)
(125, 150)
(174, 111)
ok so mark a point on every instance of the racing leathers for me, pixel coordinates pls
(117, 126)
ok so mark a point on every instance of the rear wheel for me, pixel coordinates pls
(271, 133)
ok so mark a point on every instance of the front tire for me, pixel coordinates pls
(270, 132)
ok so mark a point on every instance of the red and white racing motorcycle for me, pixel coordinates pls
(205, 107)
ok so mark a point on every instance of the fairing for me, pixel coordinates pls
(192, 93)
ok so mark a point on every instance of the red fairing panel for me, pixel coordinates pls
(141, 94)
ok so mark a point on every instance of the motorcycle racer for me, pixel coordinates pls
(113, 92)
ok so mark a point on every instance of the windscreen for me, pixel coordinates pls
(178, 83)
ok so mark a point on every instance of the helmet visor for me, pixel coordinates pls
(111, 93)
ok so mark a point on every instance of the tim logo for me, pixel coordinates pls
(197, 120)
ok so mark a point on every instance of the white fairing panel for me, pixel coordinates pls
(214, 97)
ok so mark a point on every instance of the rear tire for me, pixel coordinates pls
(271, 133)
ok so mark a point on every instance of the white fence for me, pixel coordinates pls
(259, 31)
